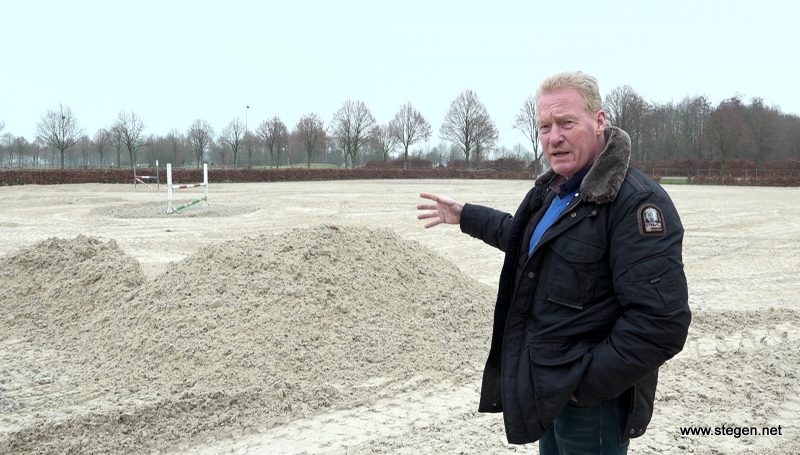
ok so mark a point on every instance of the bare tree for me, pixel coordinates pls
(486, 137)
(118, 142)
(352, 125)
(763, 121)
(275, 136)
(627, 110)
(101, 138)
(519, 152)
(221, 151)
(233, 137)
(672, 131)
(7, 149)
(727, 130)
(697, 114)
(21, 146)
(174, 140)
(790, 126)
(130, 126)
(151, 152)
(59, 129)
(525, 121)
(659, 136)
(310, 131)
(3, 125)
(691, 116)
(468, 125)
(249, 146)
(85, 147)
(199, 137)
(409, 127)
(384, 140)
(36, 148)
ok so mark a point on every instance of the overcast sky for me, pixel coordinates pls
(176, 61)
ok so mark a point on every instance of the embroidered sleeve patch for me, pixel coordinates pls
(651, 220)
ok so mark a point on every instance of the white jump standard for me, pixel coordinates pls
(170, 206)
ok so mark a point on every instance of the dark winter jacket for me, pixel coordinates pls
(597, 308)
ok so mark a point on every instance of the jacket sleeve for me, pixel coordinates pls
(487, 224)
(650, 284)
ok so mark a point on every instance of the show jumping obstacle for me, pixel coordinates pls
(141, 179)
(171, 208)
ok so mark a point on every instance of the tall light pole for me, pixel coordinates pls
(246, 138)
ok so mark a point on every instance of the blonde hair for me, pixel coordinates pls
(585, 84)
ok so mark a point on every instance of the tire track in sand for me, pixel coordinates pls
(345, 428)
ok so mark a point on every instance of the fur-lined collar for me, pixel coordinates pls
(605, 178)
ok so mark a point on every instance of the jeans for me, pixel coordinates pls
(596, 430)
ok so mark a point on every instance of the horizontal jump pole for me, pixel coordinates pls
(143, 182)
(188, 204)
(193, 185)
(141, 178)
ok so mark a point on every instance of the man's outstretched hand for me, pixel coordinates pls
(446, 210)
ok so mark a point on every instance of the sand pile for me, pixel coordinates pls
(242, 335)
(57, 286)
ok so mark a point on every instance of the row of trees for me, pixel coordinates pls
(353, 132)
(691, 128)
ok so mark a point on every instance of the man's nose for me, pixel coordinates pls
(555, 137)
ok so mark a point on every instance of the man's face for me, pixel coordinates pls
(571, 136)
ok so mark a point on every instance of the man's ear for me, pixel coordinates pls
(601, 121)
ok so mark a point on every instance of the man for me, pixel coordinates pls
(592, 296)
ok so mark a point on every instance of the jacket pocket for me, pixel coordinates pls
(574, 265)
(554, 376)
(657, 280)
(640, 405)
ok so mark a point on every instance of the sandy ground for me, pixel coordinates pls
(70, 383)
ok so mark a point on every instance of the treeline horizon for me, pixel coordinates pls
(690, 129)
